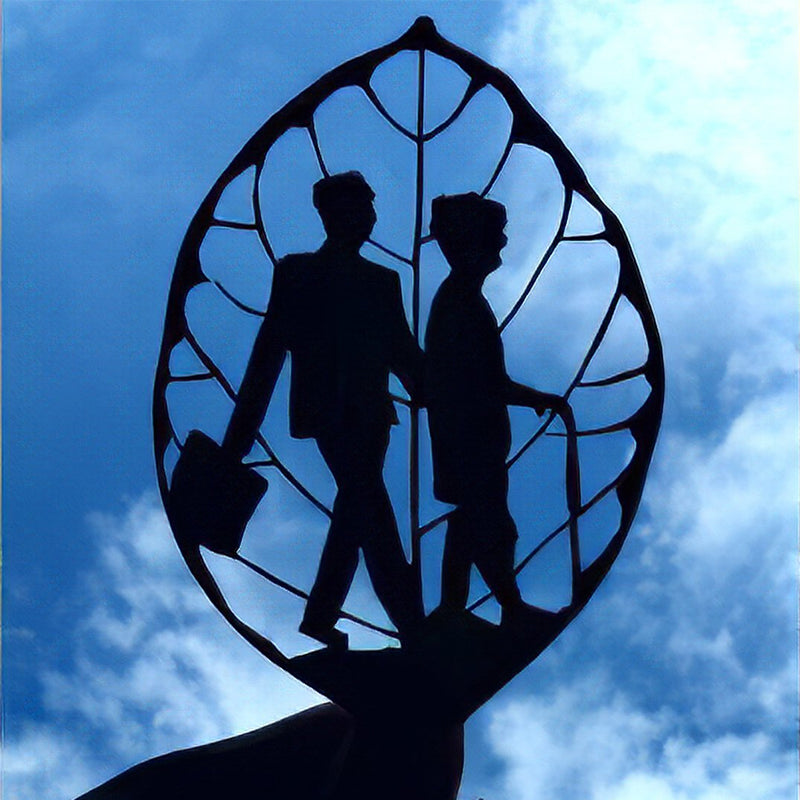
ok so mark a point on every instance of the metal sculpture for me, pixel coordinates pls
(398, 711)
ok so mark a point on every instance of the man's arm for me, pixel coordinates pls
(407, 356)
(258, 383)
(255, 392)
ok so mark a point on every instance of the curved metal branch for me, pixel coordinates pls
(472, 89)
(373, 98)
(304, 596)
(435, 522)
(620, 377)
(599, 335)
(228, 389)
(613, 428)
(202, 376)
(413, 455)
(289, 476)
(602, 236)
(174, 435)
(500, 164)
(238, 303)
(573, 490)
(262, 233)
(542, 428)
(312, 133)
(226, 223)
(391, 253)
(545, 258)
(598, 338)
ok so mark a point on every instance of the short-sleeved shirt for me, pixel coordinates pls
(466, 387)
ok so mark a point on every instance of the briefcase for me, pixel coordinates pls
(212, 496)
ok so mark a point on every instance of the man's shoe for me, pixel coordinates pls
(331, 637)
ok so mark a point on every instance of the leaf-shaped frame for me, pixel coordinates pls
(461, 683)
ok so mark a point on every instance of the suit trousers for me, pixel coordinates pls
(362, 519)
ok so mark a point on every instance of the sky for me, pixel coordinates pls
(679, 680)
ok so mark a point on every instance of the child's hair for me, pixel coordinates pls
(455, 215)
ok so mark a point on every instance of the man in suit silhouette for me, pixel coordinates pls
(342, 319)
(467, 392)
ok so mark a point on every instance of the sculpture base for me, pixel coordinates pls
(456, 663)
(319, 754)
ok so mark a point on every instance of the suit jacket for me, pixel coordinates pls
(342, 321)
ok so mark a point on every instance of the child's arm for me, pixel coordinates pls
(407, 357)
(518, 394)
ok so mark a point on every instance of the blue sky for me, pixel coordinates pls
(679, 679)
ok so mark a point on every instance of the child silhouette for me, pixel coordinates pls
(467, 394)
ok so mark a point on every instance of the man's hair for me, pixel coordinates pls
(456, 215)
(329, 192)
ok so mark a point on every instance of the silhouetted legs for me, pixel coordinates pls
(456, 566)
(362, 518)
(481, 531)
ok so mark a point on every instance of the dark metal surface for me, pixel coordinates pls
(452, 662)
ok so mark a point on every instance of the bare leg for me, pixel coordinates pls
(494, 549)
(496, 566)
(456, 564)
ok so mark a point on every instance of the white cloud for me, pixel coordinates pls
(664, 84)
(41, 758)
(590, 743)
(720, 548)
(701, 607)
(693, 636)
(732, 503)
(685, 117)
(154, 669)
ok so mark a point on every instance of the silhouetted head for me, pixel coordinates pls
(344, 203)
(470, 232)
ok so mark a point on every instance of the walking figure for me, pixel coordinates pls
(467, 393)
(342, 319)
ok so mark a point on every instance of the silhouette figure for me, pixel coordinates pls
(467, 394)
(342, 319)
